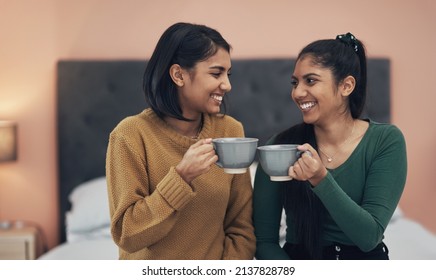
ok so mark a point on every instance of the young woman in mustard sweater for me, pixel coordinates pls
(168, 199)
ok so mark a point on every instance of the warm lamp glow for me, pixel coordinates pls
(8, 141)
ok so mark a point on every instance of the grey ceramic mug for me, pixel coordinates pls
(235, 154)
(276, 160)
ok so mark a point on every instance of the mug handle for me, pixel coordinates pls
(218, 161)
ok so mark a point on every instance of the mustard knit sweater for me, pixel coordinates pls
(155, 214)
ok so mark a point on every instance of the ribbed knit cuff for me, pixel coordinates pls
(175, 190)
(327, 188)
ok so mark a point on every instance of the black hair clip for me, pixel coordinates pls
(348, 39)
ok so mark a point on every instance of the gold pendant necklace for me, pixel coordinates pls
(331, 158)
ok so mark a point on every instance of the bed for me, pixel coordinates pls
(87, 225)
(94, 95)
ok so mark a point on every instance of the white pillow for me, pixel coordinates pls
(89, 207)
(99, 233)
(398, 214)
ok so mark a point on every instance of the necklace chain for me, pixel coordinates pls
(332, 157)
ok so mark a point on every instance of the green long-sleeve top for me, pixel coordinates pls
(360, 196)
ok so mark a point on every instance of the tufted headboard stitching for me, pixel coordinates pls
(93, 96)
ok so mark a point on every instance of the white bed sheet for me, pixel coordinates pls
(409, 240)
(98, 249)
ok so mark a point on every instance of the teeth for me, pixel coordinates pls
(307, 105)
(217, 98)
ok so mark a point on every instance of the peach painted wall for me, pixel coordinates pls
(35, 34)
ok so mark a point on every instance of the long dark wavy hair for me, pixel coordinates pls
(344, 56)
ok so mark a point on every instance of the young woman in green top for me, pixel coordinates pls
(346, 187)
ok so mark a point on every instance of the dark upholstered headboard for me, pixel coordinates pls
(93, 96)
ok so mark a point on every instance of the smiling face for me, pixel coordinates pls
(316, 92)
(205, 85)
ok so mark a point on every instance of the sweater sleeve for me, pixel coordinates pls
(140, 217)
(365, 222)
